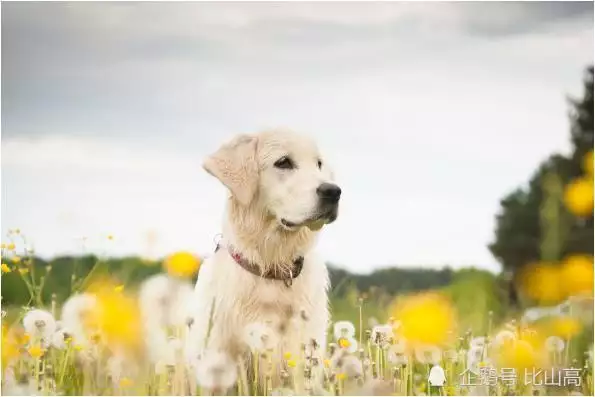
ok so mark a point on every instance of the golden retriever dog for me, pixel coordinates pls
(264, 289)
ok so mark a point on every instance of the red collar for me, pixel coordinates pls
(272, 274)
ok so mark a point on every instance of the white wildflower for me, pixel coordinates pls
(474, 358)
(352, 367)
(59, 338)
(40, 325)
(344, 329)
(479, 341)
(396, 356)
(554, 344)
(216, 372)
(260, 337)
(74, 312)
(503, 337)
(382, 334)
(428, 354)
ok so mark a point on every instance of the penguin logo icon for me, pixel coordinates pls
(437, 376)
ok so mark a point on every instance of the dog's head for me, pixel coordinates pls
(282, 173)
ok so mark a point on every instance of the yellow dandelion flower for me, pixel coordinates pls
(291, 363)
(565, 327)
(426, 318)
(578, 197)
(5, 268)
(23, 270)
(326, 362)
(541, 282)
(35, 351)
(78, 348)
(519, 355)
(25, 338)
(11, 246)
(341, 376)
(182, 264)
(287, 355)
(588, 163)
(16, 259)
(344, 343)
(576, 275)
(119, 288)
(10, 349)
(125, 382)
(108, 314)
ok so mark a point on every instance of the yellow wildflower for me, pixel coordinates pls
(25, 338)
(125, 382)
(291, 363)
(341, 376)
(578, 197)
(541, 282)
(5, 268)
(11, 246)
(119, 288)
(287, 355)
(16, 259)
(426, 318)
(565, 327)
(109, 313)
(182, 264)
(344, 343)
(326, 362)
(10, 349)
(23, 270)
(577, 275)
(78, 347)
(35, 351)
(519, 355)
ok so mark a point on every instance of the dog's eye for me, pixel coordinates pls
(319, 164)
(284, 163)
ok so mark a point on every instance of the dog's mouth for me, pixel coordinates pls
(314, 223)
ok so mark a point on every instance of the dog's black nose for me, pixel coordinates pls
(329, 192)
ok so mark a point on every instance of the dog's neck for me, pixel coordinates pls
(261, 240)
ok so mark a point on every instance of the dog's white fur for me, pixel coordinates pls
(262, 195)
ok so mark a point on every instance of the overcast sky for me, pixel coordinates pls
(429, 113)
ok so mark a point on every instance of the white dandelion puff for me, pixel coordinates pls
(474, 358)
(60, 338)
(428, 354)
(74, 312)
(216, 371)
(503, 337)
(554, 344)
(40, 325)
(344, 329)
(260, 337)
(396, 356)
(478, 341)
(352, 367)
(382, 334)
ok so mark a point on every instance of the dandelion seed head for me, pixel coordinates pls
(216, 371)
(343, 329)
(40, 325)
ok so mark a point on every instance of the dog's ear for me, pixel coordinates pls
(235, 165)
